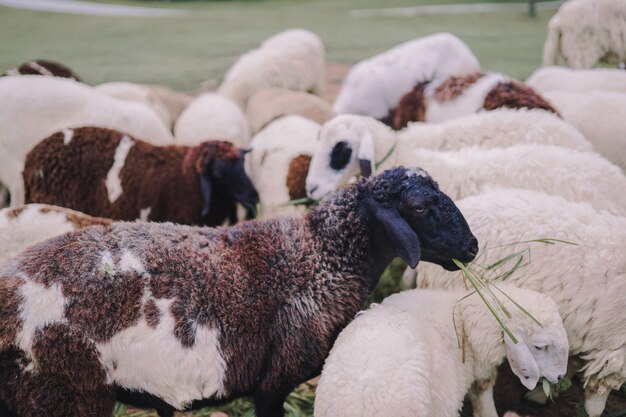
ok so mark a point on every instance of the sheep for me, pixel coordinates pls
(600, 116)
(26, 225)
(140, 94)
(292, 59)
(440, 100)
(271, 165)
(33, 107)
(547, 79)
(349, 143)
(587, 280)
(212, 116)
(107, 173)
(375, 86)
(166, 309)
(43, 67)
(422, 370)
(271, 103)
(584, 32)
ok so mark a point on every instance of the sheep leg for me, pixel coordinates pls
(595, 400)
(269, 403)
(481, 395)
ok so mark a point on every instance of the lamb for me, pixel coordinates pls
(587, 280)
(293, 59)
(375, 86)
(33, 107)
(584, 32)
(423, 372)
(212, 116)
(164, 101)
(43, 67)
(548, 79)
(440, 100)
(271, 164)
(349, 143)
(26, 225)
(271, 103)
(600, 116)
(186, 293)
(107, 173)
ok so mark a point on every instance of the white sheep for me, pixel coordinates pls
(375, 86)
(26, 225)
(292, 59)
(600, 116)
(573, 175)
(273, 149)
(587, 280)
(584, 32)
(402, 357)
(350, 143)
(547, 79)
(212, 116)
(33, 107)
(271, 103)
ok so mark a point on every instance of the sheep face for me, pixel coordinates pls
(540, 351)
(418, 221)
(345, 148)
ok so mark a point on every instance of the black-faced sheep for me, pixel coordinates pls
(440, 100)
(43, 67)
(106, 173)
(186, 313)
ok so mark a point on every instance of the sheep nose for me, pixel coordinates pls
(472, 248)
(312, 189)
(559, 378)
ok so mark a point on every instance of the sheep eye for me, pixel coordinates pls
(541, 347)
(420, 210)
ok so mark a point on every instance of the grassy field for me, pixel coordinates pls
(182, 51)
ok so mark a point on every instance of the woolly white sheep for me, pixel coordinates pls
(267, 164)
(600, 116)
(26, 225)
(292, 59)
(185, 313)
(165, 102)
(587, 280)
(547, 79)
(402, 357)
(212, 116)
(584, 32)
(33, 107)
(271, 103)
(349, 143)
(375, 86)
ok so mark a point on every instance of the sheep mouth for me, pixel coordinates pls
(444, 261)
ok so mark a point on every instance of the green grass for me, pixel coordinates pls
(183, 51)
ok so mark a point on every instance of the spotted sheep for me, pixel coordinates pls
(184, 313)
(106, 173)
(445, 99)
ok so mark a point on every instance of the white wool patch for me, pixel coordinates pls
(68, 134)
(130, 263)
(154, 360)
(113, 181)
(471, 101)
(13, 71)
(40, 68)
(144, 214)
(41, 305)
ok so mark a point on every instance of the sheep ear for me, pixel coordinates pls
(400, 235)
(366, 155)
(522, 361)
(206, 189)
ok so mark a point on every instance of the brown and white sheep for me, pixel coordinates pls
(106, 173)
(43, 67)
(437, 101)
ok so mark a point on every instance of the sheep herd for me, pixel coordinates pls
(174, 250)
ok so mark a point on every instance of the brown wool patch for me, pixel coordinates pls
(296, 176)
(206, 152)
(10, 300)
(455, 86)
(411, 108)
(54, 68)
(61, 351)
(151, 313)
(85, 221)
(14, 212)
(516, 95)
